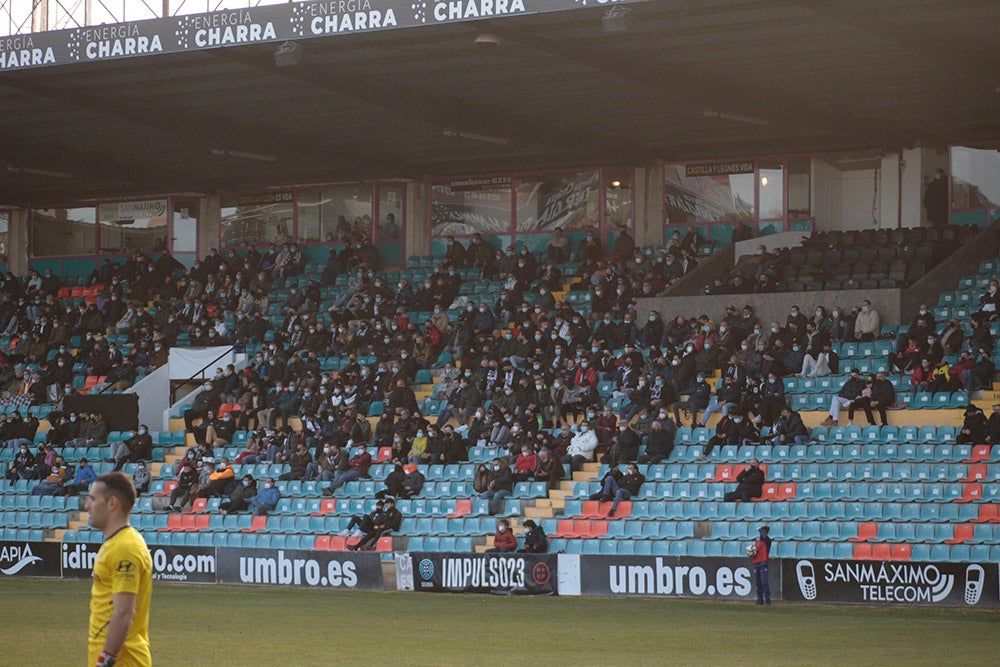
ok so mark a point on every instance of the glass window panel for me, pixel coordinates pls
(335, 213)
(130, 226)
(185, 229)
(618, 199)
(547, 201)
(59, 231)
(798, 189)
(470, 205)
(771, 200)
(390, 211)
(691, 199)
(975, 177)
(256, 219)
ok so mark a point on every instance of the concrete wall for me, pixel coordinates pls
(208, 224)
(773, 307)
(418, 225)
(17, 242)
(782, 240)
(648, 186)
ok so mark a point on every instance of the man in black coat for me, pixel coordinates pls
(660, 442)
(749, 484)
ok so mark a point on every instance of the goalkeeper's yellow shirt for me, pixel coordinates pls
(123, 565)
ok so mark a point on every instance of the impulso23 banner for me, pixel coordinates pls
(891, 582)
(511, 573)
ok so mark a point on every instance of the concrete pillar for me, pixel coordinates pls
(418, 224)
(208, 224)
(17, 242)
(648, 186)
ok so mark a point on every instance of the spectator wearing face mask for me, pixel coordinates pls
(499, 484)
(266, 499)
(749, 484)
(867, 325)
(141, 477)
(504, 540)
(698, 396)
(218, 480)
(660, 442)
(581, 447)
(240, 494)
(134, 448)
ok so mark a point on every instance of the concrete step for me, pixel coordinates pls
(82, 522)
(538, 513)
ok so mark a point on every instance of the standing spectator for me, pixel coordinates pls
(936, 199)
(504, 540)
(760, 562)
(749, 484)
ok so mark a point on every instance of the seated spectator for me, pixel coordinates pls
(975, 427)
(867, 326)
(141, 478)
(788, 429)
(818, 363)
(187, 478)
(499, 484)
(660, 442)
(135, 447)
(385, 524)
(504, 540)
(53, 483)
(525, 464)
(581, 447)
(357, 468)
(219, 480)
(698, 395)
(849, 391)
(548, 469)
(749, 484)
(363, 523)
(728, 396)
(298, 462)
(405, 481)
(994, 425)
(922, 377)
(734, 429)
(239, 496)
(625, 447)
(883, 395)
(617, 488)
(535, 540)
(82, 480)
(266, 500)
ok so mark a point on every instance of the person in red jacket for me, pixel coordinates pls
(760, 561)
(524, 466)
(504, 540)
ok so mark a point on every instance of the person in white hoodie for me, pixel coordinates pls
(581, 447)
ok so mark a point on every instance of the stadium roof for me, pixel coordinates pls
(689, 79)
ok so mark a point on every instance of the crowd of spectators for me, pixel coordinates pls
(520, 372)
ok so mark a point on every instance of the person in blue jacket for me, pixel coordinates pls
(266, 499)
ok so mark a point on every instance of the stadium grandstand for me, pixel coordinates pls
(579, 263)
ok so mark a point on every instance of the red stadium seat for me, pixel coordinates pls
(724, 473)
(384, 454)
(259, 523)
(199, 505)
(566, 528)
(862, 551)
(322, 543)
(977, 472)
(338, 543)
(972, 493)
(988, 513)
(882, 551)
(326, 506)
(462, 507)
(63, 293)
(979, 453)
(384, 544)
(866, 531)
(963, 533)
(77, 292)
(901, 552)
(168, 487)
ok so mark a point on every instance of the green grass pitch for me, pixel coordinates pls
(44, 623)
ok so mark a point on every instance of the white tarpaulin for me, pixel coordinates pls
(186, 362)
